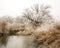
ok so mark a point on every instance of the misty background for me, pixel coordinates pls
(15, 7)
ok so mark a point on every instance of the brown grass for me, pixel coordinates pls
(49, 38)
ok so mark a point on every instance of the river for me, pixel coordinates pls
(19, 42)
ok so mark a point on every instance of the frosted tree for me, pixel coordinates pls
(38, 15)
(9, 19)
(19, 19)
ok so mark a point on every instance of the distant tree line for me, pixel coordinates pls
(37, 15)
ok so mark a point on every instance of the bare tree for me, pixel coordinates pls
(38, 15)
(19, 19)
(8, 19)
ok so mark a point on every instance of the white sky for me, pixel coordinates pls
(15, 7)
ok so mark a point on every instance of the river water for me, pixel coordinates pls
(19, 42)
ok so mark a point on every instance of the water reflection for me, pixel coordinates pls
(15, 42)
(19, 42)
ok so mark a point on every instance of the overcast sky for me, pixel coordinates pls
(16, 7)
